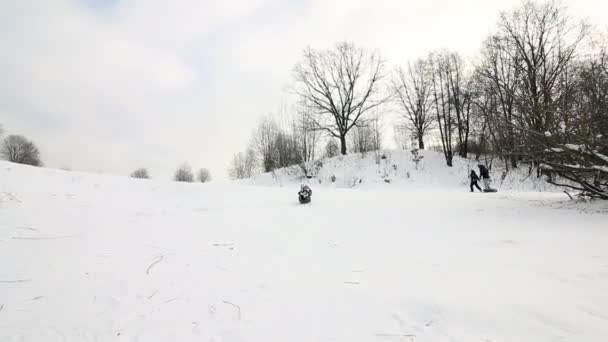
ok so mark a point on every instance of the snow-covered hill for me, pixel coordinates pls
(99, 258)
(396, 167)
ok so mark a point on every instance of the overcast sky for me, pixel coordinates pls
(113, 85)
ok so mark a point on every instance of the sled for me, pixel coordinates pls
(490, 190)
(304, 200)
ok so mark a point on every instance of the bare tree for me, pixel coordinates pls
(18, 149)
(264, 143)
(275, 144)
(184, 174)
(367, 138)
(339, 87)
(361, 139)
(140, 173)
(307, 136)
(413, 96)
(497, 79)
(204, 175)
(439, 69)
(542, 41)
(401, 136)
(461, 90)
(243, 165)
(376, 125)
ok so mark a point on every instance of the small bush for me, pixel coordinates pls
(184, 174)
(140, 173)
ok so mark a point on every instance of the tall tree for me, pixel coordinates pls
(542, 42)
(461, 91)
(497, 78)
(413, 94)
(339, 87)
(442, 99)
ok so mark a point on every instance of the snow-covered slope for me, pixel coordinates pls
(395, 167)
(98, 258)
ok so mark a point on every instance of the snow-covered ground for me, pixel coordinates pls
(99, 258)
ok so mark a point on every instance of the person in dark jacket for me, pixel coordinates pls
(474, 180)
(485, 176)
(305, 194)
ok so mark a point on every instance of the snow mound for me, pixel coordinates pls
(396, 167)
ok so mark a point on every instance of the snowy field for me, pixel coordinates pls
(98, 258)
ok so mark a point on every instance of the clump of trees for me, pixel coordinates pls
(538, 95)
(243, 165)
(543, 96)
(340, 92)
(18, 149)
(140, 173)
(184, 174)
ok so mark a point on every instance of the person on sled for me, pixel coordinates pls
(305, 194)
(485, 177)
(474, 180)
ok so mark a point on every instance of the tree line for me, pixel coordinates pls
(183, 173)
(535, 95)
(18, 149)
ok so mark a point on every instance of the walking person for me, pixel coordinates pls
(474, 180)
(485, 177)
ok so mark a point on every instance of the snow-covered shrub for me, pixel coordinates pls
(416, 157)
(140, 173)
(204, 175)
(184, 174)
(18, 149)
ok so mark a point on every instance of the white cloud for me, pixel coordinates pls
(156, 83)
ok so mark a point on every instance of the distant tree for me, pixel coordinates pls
(361, 139)
(377, 129)
(140, 173)
(17, 149)
(184, 174)
(331, 149)
(242, 165)
(204, 175)
(401, 136)
(264, 143)
(339, 87)
(306, 136)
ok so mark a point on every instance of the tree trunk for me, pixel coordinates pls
(463, 150)
(420, 142)
(448, 158)
(343, 144)
(513, 161)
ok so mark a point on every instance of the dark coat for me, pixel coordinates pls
(474, 177)
(305, 194)
(483, 171)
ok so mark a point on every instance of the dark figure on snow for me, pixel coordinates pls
(474, 180)
(485, 176)
(305, 194)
